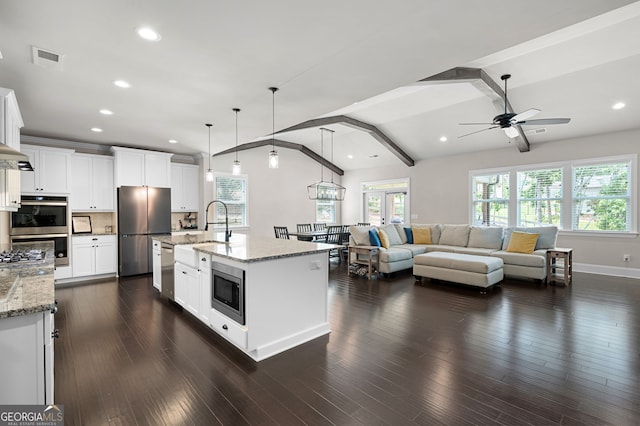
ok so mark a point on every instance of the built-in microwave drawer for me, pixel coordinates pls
(229, 329)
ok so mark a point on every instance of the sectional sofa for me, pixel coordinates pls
(466, 239)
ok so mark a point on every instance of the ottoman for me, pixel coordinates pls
(478, 271)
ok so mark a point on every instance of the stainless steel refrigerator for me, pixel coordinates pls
(143, 213)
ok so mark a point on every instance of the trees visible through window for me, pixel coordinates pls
(540, 197)
(232, 190)
(490, 199)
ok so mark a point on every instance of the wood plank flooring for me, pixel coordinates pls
(398, 354)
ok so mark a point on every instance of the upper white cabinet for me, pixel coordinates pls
(10, 119)
(137, 167)
(91, 183)
(52, 171)
(185, 188)
(9, 190)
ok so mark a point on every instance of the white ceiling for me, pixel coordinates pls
(570, 59)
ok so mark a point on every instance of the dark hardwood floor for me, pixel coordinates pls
(399, 353)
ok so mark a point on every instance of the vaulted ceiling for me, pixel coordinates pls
(355, 59)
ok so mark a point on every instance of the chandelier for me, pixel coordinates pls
(322, 190)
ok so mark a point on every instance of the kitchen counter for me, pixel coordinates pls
(27, 287)
(245, 248)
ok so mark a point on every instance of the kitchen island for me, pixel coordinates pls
(282, 295)
(27, 298)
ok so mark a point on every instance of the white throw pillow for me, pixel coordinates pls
(392, 233)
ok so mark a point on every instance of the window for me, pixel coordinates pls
(490, 199)
(231, 190)
(326, 211)
(596, 195)
(602, 197)
(385, 201)
(540, 197)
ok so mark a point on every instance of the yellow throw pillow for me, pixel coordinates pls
(421, 235)
(384, 238)
(522, 242)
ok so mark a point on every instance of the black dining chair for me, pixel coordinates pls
(334, 236)
(344, 241)
(304, 227)
(363, 224)
(320, 227)
(281, 232)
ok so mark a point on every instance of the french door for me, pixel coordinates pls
(382, 207)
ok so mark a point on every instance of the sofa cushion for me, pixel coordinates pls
(522, 242)
(547, 239)
(435, 230)
(395, 254)
(360, 235)
(415, 249)
(392, 234)
(535, 260)
(421, 236)
(473, 250)
(438, 247)
(455, 235)
(489, 237)
(401, 233)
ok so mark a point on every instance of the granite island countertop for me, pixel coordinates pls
(27, 287)
(246, 248)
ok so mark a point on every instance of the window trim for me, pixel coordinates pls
(567, 191)
(244, 177)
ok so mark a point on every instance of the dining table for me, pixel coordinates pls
(309, 235)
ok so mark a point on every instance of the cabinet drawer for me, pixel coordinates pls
(229, 329)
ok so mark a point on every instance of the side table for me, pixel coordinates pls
(365, 255)
(560, 271)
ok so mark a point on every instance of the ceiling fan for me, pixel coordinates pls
(508, 120)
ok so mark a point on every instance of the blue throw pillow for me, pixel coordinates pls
(409, 233)
(374, 238)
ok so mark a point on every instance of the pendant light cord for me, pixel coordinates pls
(209, 126)
(273, 117)
(237, 110)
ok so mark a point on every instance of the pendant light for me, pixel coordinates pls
(209, 175)
(322, 190)
(236, 164)
(273, 154)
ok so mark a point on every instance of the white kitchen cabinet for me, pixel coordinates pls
(26, 345)
(92, 186)
(187, 288)
(204, 277)
(185, 188)
(138, 167)
(10, 189)
(157, 265)
(10, 119)
(93, 255)
(52, 170)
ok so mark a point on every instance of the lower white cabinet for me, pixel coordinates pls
(204, 276)
(187, 288)
(157, 265)
(26, 345)
(93, 255)
(229, 329)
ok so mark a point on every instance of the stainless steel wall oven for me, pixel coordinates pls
(227, 291)
(43, 218)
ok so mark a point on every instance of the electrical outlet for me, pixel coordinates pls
(626, 257)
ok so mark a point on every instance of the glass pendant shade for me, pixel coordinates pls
(209, 175)
(273, 159)
(236, 168)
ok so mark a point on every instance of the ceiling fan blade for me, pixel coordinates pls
(475, 124)
(525, 114)
(478, 131)
(544, 121)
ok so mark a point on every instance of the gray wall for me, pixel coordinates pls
(440, 193)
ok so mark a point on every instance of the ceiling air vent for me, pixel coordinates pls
(47, 58)
(536, 131)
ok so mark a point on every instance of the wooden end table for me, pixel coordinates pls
(365, 255)
(560, 272)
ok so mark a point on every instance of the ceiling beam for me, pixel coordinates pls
(284, 144)
(359, 125)
(481, 80)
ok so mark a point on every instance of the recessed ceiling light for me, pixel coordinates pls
(443, 138)
(148, 33)
(618, 105)
(96, 129)
(349, 156)
(173, 141)
(122, 83)
(106, 112)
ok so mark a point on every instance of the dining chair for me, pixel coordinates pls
(320, 227)
(344, 241)
(363, 224)
(304, 227)
(334, 236)
(281, 232)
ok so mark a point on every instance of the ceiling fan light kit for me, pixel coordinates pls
(509, 121)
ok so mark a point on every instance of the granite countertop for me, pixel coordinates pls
(27, 287)
(205, 237)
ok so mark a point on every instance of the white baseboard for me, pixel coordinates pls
(607, 270)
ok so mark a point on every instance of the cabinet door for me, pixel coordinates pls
(12, 123)
(54, 171)
(204, 274)
(157, 170)
(105, 255)
(81, 177)
(191, 188)
(102, 184)
(176, 188)
(28, 179)
(181, 284)
(83, 258)
(193, 298)
(157, 269)
(129, 168)
(9, 189)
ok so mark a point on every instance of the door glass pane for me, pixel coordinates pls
(396, 207)
(373, 209)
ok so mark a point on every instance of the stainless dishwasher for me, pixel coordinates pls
(167, 262)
